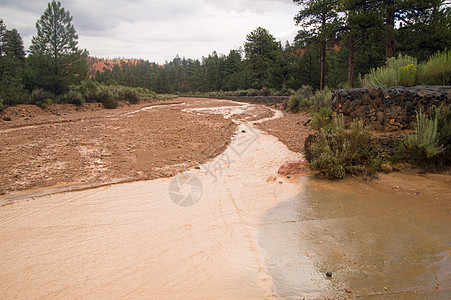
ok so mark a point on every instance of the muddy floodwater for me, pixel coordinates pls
(378, 243)
(231, 229)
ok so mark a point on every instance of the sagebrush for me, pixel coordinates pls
(430, 145)
(404, 70)
(341, 151)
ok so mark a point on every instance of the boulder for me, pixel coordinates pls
(386, 168)
(293, 167)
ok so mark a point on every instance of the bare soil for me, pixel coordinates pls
(289, 129)
(89, 145)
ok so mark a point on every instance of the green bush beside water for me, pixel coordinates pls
(338, 152)
(91, 91)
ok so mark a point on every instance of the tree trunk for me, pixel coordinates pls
(263, 81)
(390, 29)
(322, 84)
(351, 63)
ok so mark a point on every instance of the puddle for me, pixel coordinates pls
(377, 244)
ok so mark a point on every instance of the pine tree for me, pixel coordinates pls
(425, 29)
(12, 62)
(320, 21)
(363, 23)
(14, 45)
(261, 51)
(56, 35)
(55, 57)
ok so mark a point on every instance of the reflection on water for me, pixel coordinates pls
(377, 244)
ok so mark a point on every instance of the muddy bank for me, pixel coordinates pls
(68, 147)
(289, 129)
(387, 239)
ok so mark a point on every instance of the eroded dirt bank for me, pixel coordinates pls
(289, 129)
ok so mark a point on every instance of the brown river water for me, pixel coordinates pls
(232, 229)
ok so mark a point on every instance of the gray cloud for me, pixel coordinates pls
(159, 29)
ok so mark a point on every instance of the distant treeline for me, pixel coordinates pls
(339, 42)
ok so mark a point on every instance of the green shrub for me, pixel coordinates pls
(437, 70)
(72, 97)
(404, 70)
(430, 145)
(443, 114)
(110, 103)
(306, 100)
(40, 97)
(301, 99)
(162, 97)
(130, 96)
(106, 96)
(322, 118)
(388, 75)
(426, 139)
(253, 92)
(88, 89)
(407, 75)
(340, 151)
(145, 93)
(323, 98)
(344, 85)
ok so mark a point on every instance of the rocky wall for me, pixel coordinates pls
(388, 109)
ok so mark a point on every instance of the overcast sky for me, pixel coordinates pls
(158, 30)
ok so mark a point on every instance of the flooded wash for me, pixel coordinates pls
(230, 229)
(136, 240)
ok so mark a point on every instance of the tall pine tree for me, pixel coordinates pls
(261, 51)
(55, 57)
(320, 22)
(12, 62)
